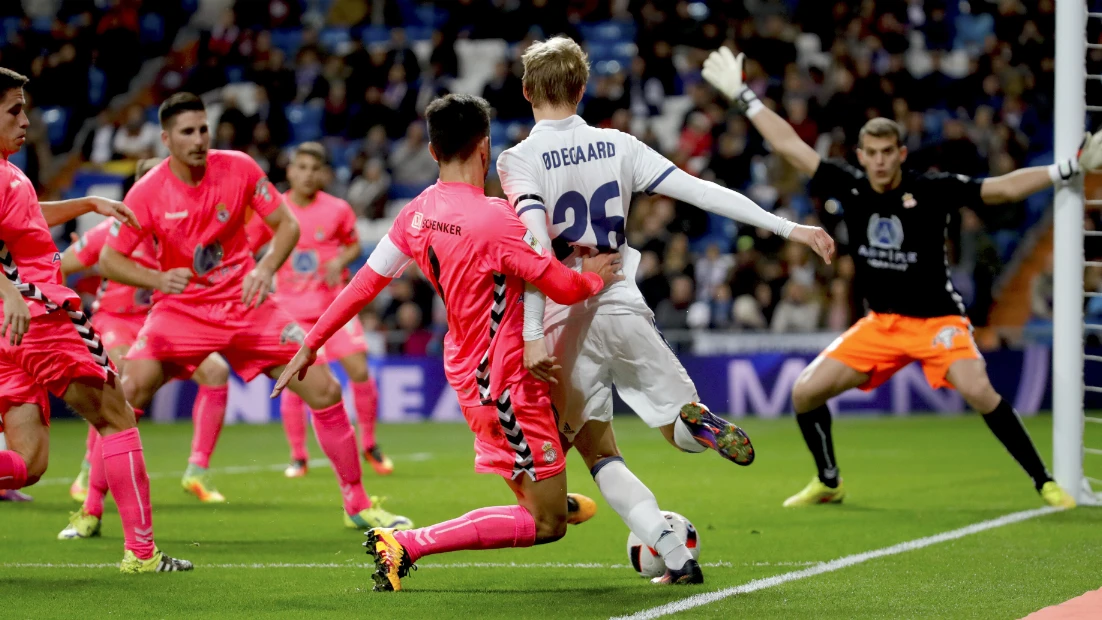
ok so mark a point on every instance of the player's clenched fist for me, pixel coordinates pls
(257, 285)
(815, 238)
(17, 318)
(174, 280)
(299, 364)
(605, 265)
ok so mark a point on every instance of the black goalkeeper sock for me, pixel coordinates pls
(815, 425)
(1007, 427)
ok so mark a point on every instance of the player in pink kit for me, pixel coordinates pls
(196, 204)
(307, 283)
(478, 255)
(118, 314)
(48, 345)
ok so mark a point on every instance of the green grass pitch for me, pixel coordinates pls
(907, 478)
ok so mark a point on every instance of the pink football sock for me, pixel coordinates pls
(97, 481)
(338, 441)
(497, 527)
(293, 413)
(367, 410)
(127, 478)
(208, 414)
(90, 442)
(13, 470)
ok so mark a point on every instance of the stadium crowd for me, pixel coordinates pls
(970, 82)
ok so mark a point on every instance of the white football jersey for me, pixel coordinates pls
(583, 178)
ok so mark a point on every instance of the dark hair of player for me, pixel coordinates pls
(881, 127)
(10, 79)
(178, 104)
(457, 123)
(313, 149)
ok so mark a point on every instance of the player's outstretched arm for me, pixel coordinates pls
(285, 234)
(385, 263)
(61, 211)
(723, 70)
(116, 266)
(1017, 185)
(566, 286)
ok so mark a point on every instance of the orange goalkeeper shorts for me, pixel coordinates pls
(881, 344)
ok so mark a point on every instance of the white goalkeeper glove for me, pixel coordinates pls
(723, 70)
(1089, 159)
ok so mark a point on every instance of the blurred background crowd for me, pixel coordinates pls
(971, 81)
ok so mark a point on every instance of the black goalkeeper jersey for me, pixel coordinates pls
(897, 238)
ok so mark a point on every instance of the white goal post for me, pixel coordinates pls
(1068, 263)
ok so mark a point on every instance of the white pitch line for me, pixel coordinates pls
(699, 600)
(266, 565)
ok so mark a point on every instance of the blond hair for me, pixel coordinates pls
(313, 149)
(555, 72)
(881, 127)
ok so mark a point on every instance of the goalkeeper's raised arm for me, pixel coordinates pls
(723, 70)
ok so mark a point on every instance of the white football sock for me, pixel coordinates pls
(636, 505)
(684, 438)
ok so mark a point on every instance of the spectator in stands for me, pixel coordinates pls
(798, 310)
(368, 190)
(410, 160)
(505, 94)
(673, 313)
(1040, 293)
(711, 272)
(416, 338)
(136, 138)
(401, 98)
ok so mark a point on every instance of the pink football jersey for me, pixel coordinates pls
(201, 228)
(112, 296)
(28, 251)
(328, 225)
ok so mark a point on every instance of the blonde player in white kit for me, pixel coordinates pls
(572, 184)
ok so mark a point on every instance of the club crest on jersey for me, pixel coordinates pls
(418, 219)
(549, 453)
(304, 261)
(945, 336)
(206, 258)
(885, 233)
(262, 190)
(292, 333)
(909, 201)
(531, 241)
(221, 213)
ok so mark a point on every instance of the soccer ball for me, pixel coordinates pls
(647, 562)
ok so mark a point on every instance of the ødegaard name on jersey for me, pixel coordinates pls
(574, 155)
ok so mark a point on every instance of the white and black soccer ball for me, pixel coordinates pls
(647, 562)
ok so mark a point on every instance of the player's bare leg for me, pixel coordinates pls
(322, 393)
(103, 405)
(969, 377)
(208, 415)
(539, 517)
(82, 486)
(27, 455)
(822, 380)
(634, 502)
(366, 396)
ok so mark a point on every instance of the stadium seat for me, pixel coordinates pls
(400, 191)
(305, 122)
(972, 30)
(235, 74)
(97, 87)
(10, 27)
(333, 39)
(431, 16)
(152, 29)
(287, 40)
(375, 34)
(608, 31)
(57, 124)
(42, 24)
(418, 33)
